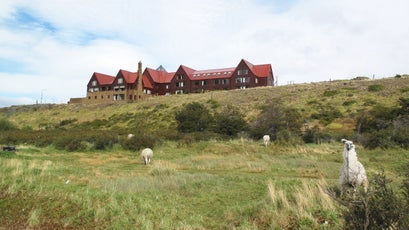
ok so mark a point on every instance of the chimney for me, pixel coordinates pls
(139, 91)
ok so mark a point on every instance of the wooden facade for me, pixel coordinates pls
(123, 87)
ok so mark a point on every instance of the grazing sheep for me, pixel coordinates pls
(147, 154)
(266, 139)
(352, 171)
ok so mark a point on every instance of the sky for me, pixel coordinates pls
(49, 49)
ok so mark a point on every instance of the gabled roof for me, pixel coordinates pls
(262, 70)
(159, 76)
(104, 79)
(146, 83)
(129, 77)
(187, 70)
(258, 70)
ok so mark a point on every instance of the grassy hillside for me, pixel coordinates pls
(212, 184)
(349, 97)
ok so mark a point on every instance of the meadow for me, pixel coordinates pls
(237, 184)
(71, 171)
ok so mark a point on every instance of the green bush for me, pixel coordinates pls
(230, 121)
(404, 89)
(139, 141)
(274, 119)
(349, 102)
(330, 93)
(194, 117)
(327, 115)
(376, 88)
(6, 125)
(381, 208)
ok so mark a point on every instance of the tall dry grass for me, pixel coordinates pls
(305, 206)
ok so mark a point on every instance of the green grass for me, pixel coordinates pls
(237, 184)
(348, 96)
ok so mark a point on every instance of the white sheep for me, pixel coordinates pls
(130, 136)
(147, 154)
(352, 171)
(266, 139)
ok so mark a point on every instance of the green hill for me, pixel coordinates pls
(348, 97)
(214, 183)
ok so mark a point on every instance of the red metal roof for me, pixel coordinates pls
(160, 76)
(129, 77)
(104, 79)
(262, 70)
(259, 70)
(146, 82)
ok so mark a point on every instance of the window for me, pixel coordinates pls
(167, 86)
(180, 84)
(246, 71)
(239, 72)
(242, 80)
(94, 83)
(256, 80)
(203, 83)
(196, 83)
(120, 80)
(180, 77)
(216, 82)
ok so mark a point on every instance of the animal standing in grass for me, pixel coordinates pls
(266, 139)
(352, 171)
(147, 154)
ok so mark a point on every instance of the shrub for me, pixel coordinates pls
(230, 121)
(139, 141)
(380, 208)
(214, 104)
(68, 121)
(376, 88)
(327, 115)
(330, 93)
(6, 125)
(193, 117)
(69, 143)
(275, 118)
(349, 102)
(404, 89)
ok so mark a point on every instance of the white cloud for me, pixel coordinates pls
(304, 41)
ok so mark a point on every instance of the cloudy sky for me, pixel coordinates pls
(49, 49)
